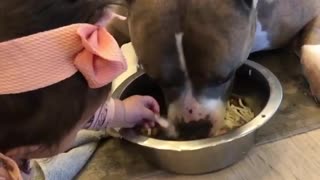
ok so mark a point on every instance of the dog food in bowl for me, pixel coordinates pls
(237, 114)
(258, 88)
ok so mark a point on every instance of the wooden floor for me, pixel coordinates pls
(295, 158)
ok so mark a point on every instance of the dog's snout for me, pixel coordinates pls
(194, 130)
(189, 109)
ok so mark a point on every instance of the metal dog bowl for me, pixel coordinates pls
(261, 90)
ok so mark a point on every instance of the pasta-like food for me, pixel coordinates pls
(150, 132)
(237, 114)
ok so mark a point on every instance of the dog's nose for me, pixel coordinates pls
(193, 111)
(201, 109)
(189, 109)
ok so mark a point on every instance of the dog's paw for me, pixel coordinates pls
(310, 60)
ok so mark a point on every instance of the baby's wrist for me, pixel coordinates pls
(117, 115)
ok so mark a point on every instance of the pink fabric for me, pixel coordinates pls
(46, 58)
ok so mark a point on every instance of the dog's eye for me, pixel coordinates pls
(221, 80)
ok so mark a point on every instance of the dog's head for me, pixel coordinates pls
(192, 48)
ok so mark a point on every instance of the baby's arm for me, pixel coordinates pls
(124, 114)
(104, 116)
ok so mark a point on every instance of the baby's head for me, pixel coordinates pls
(46, 117)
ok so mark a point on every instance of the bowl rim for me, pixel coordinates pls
(272, 105)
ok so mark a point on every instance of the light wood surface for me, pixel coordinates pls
(295, 158)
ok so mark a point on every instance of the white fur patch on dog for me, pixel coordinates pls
(255, 3)
(217, 112)
(211, 103)
(215, 106)
(179, 37)
(261, 39)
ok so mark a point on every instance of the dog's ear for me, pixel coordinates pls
(252, 4)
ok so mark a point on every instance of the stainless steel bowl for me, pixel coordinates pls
(260, 89)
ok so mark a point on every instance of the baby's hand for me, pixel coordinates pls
(139, 109)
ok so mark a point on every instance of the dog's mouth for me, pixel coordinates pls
(194, 130)
(238, 113)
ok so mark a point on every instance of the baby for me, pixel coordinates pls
(57, 62)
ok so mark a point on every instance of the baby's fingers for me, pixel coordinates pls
(151, 103)
(148, 115)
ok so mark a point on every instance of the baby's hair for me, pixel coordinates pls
(46, 115)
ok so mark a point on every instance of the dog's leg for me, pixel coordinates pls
(310, 56)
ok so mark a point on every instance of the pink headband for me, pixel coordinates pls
(43, 59)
